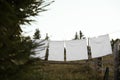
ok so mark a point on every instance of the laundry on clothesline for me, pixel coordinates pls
(100, 46)
(56, 51)
(76, 50)
(40, 51)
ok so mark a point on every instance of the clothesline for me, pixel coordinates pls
(77, 49)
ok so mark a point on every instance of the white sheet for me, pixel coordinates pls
(56, 51)
(76, 50)
(100, 46)
(40, 51)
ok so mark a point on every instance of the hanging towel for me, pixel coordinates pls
(76, 50)
(56, 51)
(100, 46)
(40, 51)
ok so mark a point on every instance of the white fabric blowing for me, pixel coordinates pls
(76, 50)
(40, 51)
(100, 46)
(56, 51)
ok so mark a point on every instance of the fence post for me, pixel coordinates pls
(106, 75)
(116, 51)
(47, 50)
(65, 54)
(47, 54)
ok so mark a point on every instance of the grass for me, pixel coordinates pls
(70, 72)
(47, 71)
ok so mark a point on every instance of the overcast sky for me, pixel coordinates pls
(65, 17)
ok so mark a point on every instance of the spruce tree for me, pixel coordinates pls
(37, 34)
(76, 36)
(15, 49)
(81, 36)
(47, 37)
